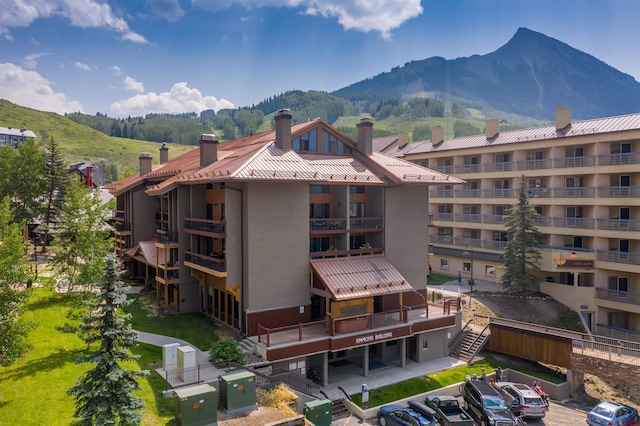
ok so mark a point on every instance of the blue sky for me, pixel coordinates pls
(132, 57)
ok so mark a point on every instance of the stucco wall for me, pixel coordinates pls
(406, 211)
(277, 245)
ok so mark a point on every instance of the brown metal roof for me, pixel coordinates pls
(360, 276)
(576, 128)
(407, 172)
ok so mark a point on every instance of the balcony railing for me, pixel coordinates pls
(542, 220)
(117, 214)
(619, 191)
(443, 216)
(366, 223)
(345, 253)
(468, 217)
(166, 237)
(587, 161)
(327, 224)
(618, 224)
(467, 168)
(579, 192)
(162, 216)
(574, 222)
(493, 218)
(468, 193)
(443, 169)
(619, 159)
(216, 263)
(545, 163)
(497, 167)
(618, 257)
(618, 296)
(498, 193)
(620, 333)
(205, 225)
(441, 193)
(539, 193)
(122, 227)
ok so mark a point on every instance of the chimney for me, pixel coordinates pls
(208, 149)
(145, 163)
(403, 139)
(563, 117)
(283, 129)
(164, 153)
(365, 136)
(492, 128)
(437, 135)
(90, 176)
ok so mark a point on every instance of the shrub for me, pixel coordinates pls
(226, 350)
(280, 398)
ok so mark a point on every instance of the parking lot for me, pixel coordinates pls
(565, 413)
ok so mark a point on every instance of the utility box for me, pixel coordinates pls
(238, 392)
(318, 412)
(187, 367)
(170, 356)
(196, 406)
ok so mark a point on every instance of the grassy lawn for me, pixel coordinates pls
(439, 279)
(387, 394)
(33, 389)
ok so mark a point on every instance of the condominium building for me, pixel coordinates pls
(10, 136)
(583, 179)
(311, 244)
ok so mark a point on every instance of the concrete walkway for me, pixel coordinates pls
(451, 288)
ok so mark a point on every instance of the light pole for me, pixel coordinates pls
(469, 252)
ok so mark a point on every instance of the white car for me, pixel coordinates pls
(529, 404)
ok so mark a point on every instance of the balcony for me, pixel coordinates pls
(545, 163)
(117, 215)
(214, 265)
(574, 222)
(349, 332)
(344, 253)
(568, 162)
(575, 192)
(447, 170)
(618, 333)
(618, 224)
(497, 167)
(619, 159)
(122, 228)
(168, 275)
(441, 193)
(619, 192)
(468, 193)
(327, 225)
(162, 217)
(361, 224)
(618, 296)
(166, 237)
(467, 168)
(205, 227)
(468, 217)
(499, 193)
(615, 256)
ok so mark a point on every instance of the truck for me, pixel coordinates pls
(448, 410)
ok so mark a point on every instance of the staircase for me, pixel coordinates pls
(471, 344)
(339, 410)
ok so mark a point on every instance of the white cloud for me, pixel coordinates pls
(82, 66)
(359, 15)
(167, 9)
(31, 61)
(179, 99)
(30, 89)
(131, 84)
(116, 70)
(81, 13)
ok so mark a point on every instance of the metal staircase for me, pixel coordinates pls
(472, 342)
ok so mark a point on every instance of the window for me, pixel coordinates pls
(622, 213)
(357, 209)
(357, 189)
(331, 144)
(574, 151)
(573, 182)
(471, 209)
(320, 189)
(466, 266)
(499, 236)
(319, 244)
(445, 208)
(471, 234)
(425, 344)
(619, 283)
(445, 231)
(306, 142)
(471, 184)
(444, 263)
(620, 148)
(319, 211)
(502, 158)
(490, 270)
(573, 211)
(535, 155)
(501, 210)
(501, 184)
(357, 241)
(423, 163)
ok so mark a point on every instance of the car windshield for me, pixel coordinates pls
(494, 403)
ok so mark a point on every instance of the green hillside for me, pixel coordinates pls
(79, 142)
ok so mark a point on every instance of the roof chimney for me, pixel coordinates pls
(208, 149)
(403, 139)
(283, 129)
(365, 136)
(492, 128)
(563, 117)
(145, 163)
(90, 176)
(164, 153)
(437, 135)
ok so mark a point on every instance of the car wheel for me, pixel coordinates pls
(382, 421)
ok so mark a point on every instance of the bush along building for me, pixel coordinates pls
(583, 180)
(309, 243)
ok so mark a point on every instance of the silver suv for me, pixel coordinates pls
(526, 402)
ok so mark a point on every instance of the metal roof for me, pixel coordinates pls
(360, 276)
(576, 128)
(12, 131)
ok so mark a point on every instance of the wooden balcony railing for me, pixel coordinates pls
(166, 237)
(215, 262)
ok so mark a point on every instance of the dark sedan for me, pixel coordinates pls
(391, 415)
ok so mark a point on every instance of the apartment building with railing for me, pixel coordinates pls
(582, 177)
(309, 243)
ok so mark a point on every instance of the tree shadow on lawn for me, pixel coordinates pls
(31, 367)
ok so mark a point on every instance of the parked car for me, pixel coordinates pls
(399, 415)
(613, 414)
(523, 400)
(485, 403)
(448, 410)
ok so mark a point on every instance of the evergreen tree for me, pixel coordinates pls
(521, 254)
(82, 238)
(105, 394)
(57, 180)
(14, 274)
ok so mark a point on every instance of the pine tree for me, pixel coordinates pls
(13, 296)
(105, 394)
(521, 254)
(57, 181)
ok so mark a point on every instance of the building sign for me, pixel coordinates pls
(374, 338)
(578, 263)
